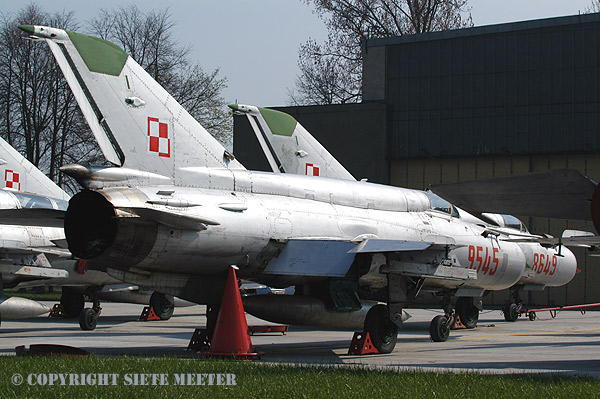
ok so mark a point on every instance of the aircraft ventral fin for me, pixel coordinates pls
(184, 222)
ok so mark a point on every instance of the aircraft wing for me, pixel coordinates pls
(562, 194)
(33, 217)
(333, 258)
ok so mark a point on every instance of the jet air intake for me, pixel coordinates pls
(95, 229)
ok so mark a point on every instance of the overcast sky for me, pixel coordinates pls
(255, 43)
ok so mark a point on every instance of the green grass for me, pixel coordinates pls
(258, 380)
(36, 296)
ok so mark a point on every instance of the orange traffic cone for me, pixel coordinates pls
(231, 336)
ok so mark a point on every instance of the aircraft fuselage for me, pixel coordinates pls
(249, 216)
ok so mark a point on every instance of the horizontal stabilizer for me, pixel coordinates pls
(574, 241)
(184, 222)
(33, 271)
(33, 217)
(562, 194)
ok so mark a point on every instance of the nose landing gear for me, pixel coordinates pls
(89, 316)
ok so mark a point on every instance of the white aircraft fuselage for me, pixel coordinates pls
(246, 213)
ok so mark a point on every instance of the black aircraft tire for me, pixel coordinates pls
(439, 329)
(383, 332)
(72, 303)
(88, 319)
(467, 311)
(162, 305)
(511, 312)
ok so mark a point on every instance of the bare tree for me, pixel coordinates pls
(594, 7)
(148, 39)
(332, 72)
(39, 115)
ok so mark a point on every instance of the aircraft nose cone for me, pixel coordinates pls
(27, 29)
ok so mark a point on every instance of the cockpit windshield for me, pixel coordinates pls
(439, 204)
(514, 223)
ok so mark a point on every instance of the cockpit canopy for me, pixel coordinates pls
(506, 221)
(439, 204)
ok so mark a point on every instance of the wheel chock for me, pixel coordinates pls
(199, 341)
(268, 329)
(50, 350)
(361, 344)
(457, 325)
(148, 314)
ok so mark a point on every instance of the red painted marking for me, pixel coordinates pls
(12, 179)
(158, 137)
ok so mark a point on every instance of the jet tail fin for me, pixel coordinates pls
(288, 146)
(136, 122)
(21, 175)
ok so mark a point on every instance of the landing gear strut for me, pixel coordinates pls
(512, 309)
(72, 302)
(89, 316)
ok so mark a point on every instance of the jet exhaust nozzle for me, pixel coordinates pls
(94, 229)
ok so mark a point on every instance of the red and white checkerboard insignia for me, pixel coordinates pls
(312, 170)
(12, 180)
(158, 137)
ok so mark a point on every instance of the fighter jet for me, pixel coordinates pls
(177, 210)
(30, 198)
(290, 148)
(26, 251)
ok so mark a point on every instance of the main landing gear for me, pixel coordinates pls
(163, 305)
(383, 332)
(468, 311)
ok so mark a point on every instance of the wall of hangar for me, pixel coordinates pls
(420, 173)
